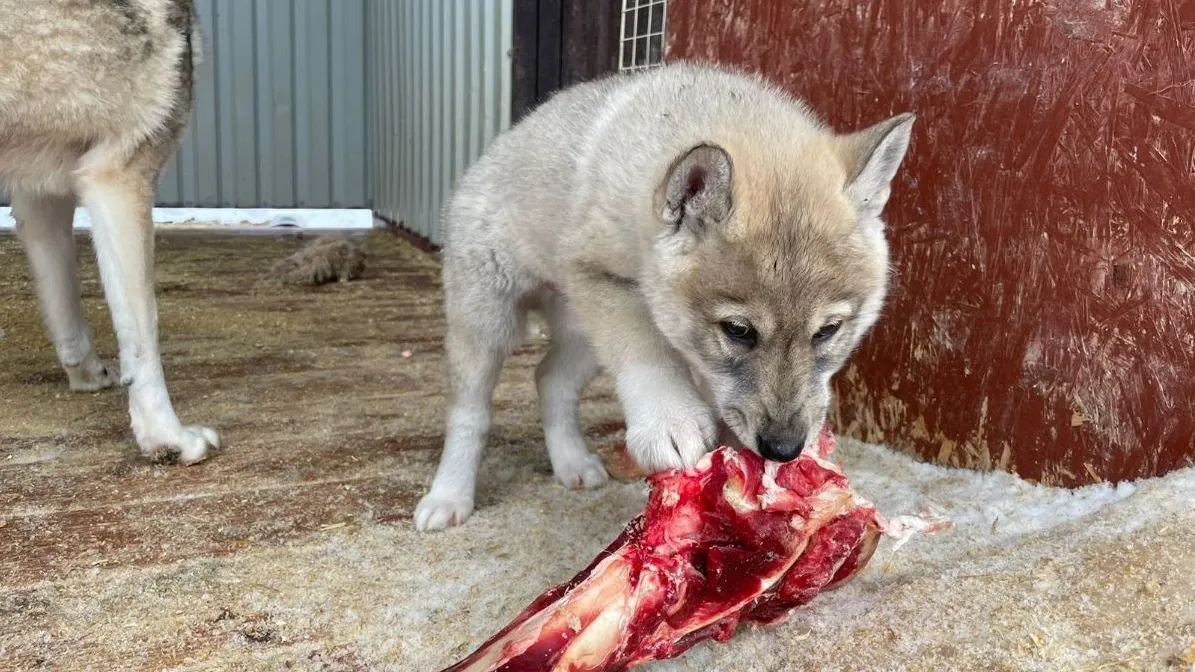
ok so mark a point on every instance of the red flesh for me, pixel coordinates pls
(736, 539)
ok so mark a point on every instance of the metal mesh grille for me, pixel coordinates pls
(641, 44)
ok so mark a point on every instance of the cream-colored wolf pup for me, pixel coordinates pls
(94, 96)
(694, 231)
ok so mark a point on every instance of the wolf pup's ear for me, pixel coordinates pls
(696, 192)
(872, 157)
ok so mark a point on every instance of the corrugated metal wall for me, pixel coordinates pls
(280, 107)
(440, 82)
(343, 103)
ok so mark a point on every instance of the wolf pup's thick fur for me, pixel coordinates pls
(94, 96)
(694, 231)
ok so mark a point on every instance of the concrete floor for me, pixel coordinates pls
(292, 547)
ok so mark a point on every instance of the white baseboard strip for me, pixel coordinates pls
(238, 219)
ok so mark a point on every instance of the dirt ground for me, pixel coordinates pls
(292, 548)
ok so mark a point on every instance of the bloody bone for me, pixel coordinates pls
(735, 539)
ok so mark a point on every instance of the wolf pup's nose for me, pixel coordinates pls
(780, 449)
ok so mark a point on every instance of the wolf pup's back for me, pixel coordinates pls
(598, 151)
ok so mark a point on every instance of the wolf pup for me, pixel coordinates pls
(694, 231)
(93, 99)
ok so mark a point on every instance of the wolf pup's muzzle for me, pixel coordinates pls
(783, 447)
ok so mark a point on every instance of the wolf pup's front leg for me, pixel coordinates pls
(669, 425)
(636, 324)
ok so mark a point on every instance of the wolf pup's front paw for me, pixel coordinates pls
(668, 428)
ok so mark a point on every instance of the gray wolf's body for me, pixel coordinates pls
(94, 95)
(694, 231)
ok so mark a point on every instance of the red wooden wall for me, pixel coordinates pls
(1043, 313)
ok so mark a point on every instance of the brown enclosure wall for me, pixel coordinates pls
(1043, 314)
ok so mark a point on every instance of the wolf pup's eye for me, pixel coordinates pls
(826, 332)
(740, 332)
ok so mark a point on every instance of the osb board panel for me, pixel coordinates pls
(1043, 313)
(330, 401)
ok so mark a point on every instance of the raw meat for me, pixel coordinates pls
(735, 539)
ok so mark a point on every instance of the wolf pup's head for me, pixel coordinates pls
(771, 267)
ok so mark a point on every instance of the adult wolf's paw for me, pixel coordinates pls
(438, 512)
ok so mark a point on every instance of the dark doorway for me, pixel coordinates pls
(558, 43)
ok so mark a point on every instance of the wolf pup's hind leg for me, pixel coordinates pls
(44, 226)
(569, 365)
(484, 325)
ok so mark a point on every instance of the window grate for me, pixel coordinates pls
(641, 43)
